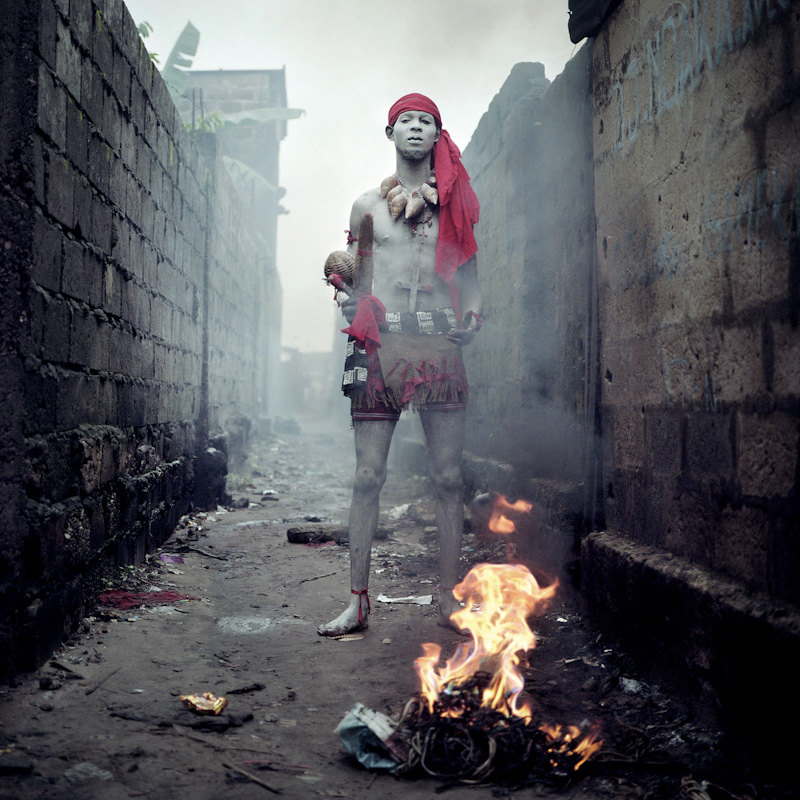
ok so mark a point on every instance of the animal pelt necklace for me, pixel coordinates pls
(412, 203)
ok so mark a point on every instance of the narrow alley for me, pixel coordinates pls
(103, 717)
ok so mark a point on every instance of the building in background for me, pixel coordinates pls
(247, 111)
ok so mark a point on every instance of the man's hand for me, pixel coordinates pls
(465, 335)
(349, 306)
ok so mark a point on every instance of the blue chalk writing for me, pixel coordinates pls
(757, 213)
(689, 41)
(639, 259)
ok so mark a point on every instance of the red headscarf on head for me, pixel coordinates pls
(459, 207)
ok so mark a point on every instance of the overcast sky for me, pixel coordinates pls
(346, 62)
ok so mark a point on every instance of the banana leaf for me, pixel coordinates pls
(180, 59)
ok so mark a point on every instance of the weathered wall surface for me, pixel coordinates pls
(697, 194)
(125, 315)
(696, 129)
(255, 147)
(530, 161)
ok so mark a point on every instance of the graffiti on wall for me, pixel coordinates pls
(642, 258)
(685, 390)
(760, 212)
(690, 40)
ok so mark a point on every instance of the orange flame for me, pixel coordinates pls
(567, 740)
(498, 599)
(499, 522)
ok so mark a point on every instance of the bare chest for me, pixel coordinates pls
(405, 261)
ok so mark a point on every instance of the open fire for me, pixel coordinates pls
(470, 721)
(498, 599)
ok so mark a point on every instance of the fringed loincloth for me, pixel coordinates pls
(407, 370)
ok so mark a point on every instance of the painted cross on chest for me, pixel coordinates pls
(414, 286)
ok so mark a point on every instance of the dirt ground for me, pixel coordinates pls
(103, 718)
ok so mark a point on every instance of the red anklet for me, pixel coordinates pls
(360, 613)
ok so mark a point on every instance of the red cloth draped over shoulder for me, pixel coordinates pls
(458, 204)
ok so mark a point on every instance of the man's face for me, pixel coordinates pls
(414, 133)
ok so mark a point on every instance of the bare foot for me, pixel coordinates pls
(347, 621)
(448, 605)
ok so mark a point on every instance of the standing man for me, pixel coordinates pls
(406, 336)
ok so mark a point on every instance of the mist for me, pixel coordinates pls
(346, 62)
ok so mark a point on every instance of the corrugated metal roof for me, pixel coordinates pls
(586, 17)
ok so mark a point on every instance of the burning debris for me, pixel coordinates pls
(463, 741)
(469, 723)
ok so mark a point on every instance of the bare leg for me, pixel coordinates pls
(444, 433)
(372, 440)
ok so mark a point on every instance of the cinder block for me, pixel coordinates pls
(741, 546)
(77, 401)
(81, 20)
(100, 233)
(114, 15)
(86, 342)
(131, 403)
(121, 78)
(133, 199)
(786, 369)
(92, 93)
(47, 34)
(628, 435)
(82, 201)
(101, 43)
(47, 255)
(127, 144)
(128, 39)
(112, 118)
(40, 390)
(664, 441)
(116, 182)
(767, 454)
(76, 280)
(52, 108)
(739, 365)
(112, 282)
(137, 106)
(68, 61)
(56, 331)
(135, 253)
(99, 163)
(60, 190)
(709, 447)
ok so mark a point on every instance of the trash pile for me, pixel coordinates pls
(469, 724)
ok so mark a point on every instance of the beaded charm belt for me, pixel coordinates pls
(440, 320)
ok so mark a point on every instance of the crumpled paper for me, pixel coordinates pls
(368, 736)
(420, 600)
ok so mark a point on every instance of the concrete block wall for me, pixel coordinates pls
(531, 165)
(696, 126)
(697, 182)
(125, 320)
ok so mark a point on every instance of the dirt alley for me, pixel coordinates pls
(103, 719)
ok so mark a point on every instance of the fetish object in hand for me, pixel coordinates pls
(342, 264)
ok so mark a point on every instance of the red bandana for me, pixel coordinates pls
(459, 208)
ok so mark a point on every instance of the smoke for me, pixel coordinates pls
(346, 62)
